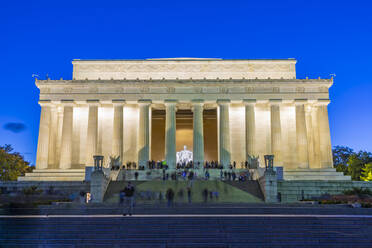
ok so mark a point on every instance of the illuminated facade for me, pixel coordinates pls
(144, 110)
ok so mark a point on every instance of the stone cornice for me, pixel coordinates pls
(184, 81)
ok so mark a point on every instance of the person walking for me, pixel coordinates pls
(205, 195)
(170, 197)
(233, 175)
(188, 194)
(128, 199)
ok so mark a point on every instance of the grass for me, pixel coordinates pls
(227, 193)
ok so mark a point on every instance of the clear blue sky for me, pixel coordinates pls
(324, 36)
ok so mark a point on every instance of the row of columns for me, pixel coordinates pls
(313, 143)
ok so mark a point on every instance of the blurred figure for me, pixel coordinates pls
(205, 195)
(188, 194)
(128, 199)
(170, 197)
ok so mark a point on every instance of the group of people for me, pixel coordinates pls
(151, 164)
(216, 165)
(232, 176)
(212, 165)
(170, 196)
(188, 165)
(185, 174)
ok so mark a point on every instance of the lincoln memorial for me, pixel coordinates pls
(221, 110)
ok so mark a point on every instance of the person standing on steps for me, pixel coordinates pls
(205, 195)
(189, 194)
(128, 199)
(170, 196)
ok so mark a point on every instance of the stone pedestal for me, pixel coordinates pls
(98, 186)
(269, 188)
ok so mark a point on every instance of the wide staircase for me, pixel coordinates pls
(186, 231)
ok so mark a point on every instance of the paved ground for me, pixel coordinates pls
(211, 225)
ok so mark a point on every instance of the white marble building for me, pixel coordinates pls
(260, 107)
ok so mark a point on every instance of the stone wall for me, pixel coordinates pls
(66, 187)
(292, 191)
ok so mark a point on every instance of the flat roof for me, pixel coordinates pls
(184, 59)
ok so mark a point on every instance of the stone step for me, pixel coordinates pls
(51, 178)
(317, 177)
(329, 174)
(186, 232)
(58, 171)
(54, 175)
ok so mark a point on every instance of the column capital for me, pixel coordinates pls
(275, 101)
(249, 101)
(93, 102)
(68, 102)
(197, 101)
(322, 102)
(223, 101)
(196, 105)
(170, 102)
(118, 102)
(144, 101)
(300, 101)
(45, 103)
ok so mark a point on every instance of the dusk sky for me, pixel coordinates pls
(326, 37)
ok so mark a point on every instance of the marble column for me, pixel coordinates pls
(198, 137)
(66, 145)
(276, 131)
(53, 137)
(59, 135)
(315, 134)
(92, 132)
(144, 132)
(250, 127)
(170, 133)
(301, 134)
(224, 132)
(326, 160)
(310, 135)
(117, 133)
(43, 141)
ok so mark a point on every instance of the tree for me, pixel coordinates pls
(12, 164)
(367, 172)
(349, 162)
(354, 167)
(341, 156)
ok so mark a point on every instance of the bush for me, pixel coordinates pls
(32, 191)
(367, 205)
(358, 191)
